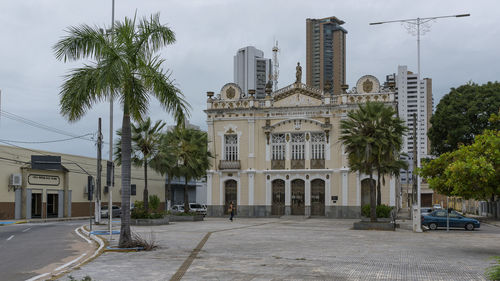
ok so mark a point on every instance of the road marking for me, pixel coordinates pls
(38, 277)
(70, 263)
(26, 229)
(12, 236)
(76, 230)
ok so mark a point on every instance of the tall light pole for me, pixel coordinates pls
(110, 189)
(417, 26)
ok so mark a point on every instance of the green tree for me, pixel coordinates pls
(368, 134)
(471, 171)
(190, 148)
(462, 114)
(145, 146)
(122, 64)
(166, 163)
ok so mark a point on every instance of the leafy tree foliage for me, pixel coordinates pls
(472, 171)
(463, 114)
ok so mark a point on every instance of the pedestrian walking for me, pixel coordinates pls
(231, 211)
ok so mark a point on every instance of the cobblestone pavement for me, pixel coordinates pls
(276, 249)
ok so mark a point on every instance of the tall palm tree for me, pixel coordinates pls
(145, 146)
(365, 135)
(191, 148)
(123, 64)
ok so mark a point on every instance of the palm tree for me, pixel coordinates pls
(124, 66)
(367, 137)
(190, 148)
(389, 144)
(145, 146)
(165, 162)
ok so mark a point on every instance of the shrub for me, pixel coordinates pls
(383, 211)
(140, 213)
(154, 202)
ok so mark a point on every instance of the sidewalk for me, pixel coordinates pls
(487, 220)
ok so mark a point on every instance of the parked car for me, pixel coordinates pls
(437, 207)
(117, 211)
(424, 211)
(177, 209)
(438, 219)
(197, 208)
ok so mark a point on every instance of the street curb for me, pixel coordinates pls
(76, 263)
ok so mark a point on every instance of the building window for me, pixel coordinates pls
(298, 146)
(317, 146)
(230, 147)
(278, 146)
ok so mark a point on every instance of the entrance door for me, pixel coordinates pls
(298, 197)
(278, 204)
(230, 192)
(36, 205)
(317, 197)
(52, 205)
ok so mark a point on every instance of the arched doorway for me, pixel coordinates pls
(230, 195)
(317, 197)
(365, 191)
(278, 203)
(298, 197)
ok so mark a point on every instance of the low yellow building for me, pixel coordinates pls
(281, 155)
(40, 184)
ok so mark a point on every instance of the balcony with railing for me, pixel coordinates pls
(277, 164)
(317, 163)
(229, 165)
(297, 164)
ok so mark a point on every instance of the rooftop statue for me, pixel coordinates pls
(298, 74)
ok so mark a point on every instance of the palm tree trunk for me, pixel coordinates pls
(373, 200)
(167, 192)
(379, 195)
(186, 203)
(145, 194)
(125, 235)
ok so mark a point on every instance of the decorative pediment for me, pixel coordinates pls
(298, 94)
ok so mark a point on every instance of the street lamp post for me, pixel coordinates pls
(418, 26)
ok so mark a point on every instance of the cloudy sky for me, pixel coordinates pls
(209, 32)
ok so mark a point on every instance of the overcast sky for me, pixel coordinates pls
(209, 32)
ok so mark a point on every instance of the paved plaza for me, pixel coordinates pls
(312, 249)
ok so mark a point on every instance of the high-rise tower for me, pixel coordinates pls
(325, 54)
(251, 70)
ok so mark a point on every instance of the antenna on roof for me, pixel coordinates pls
(276, 65)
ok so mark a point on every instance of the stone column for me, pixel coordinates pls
(307, 192)
(288, 198)
(209, 188)
(251, 176)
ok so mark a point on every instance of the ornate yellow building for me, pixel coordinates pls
(281, 155)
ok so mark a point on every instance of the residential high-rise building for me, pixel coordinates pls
(413, 96)
(251, 70)
(325, 54)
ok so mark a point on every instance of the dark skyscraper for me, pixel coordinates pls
(325, 58)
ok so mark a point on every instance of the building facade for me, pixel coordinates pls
(282, 155)
(414, 96)
(47, 184)
(251, 70)
(326, 54)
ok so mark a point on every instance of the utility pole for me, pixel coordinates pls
(98, 179)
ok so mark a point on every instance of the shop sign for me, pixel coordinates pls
(36, 179)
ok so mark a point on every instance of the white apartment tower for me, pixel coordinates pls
(413, 96)
(251, 70)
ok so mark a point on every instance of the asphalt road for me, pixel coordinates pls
(27, 248)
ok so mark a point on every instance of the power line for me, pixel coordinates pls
(51, 141)
(38, 125)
